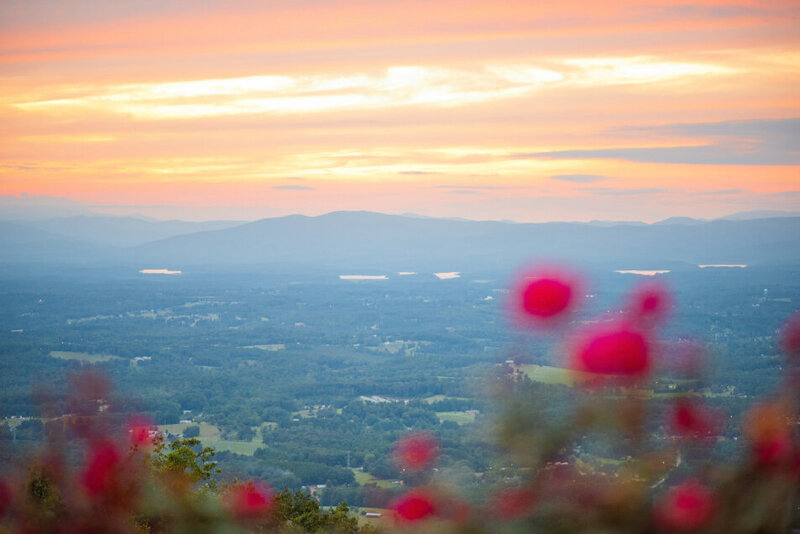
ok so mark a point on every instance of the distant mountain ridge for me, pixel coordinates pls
(123, 231)
(364, 241)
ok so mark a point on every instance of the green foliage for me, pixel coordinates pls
(185, 457)
(301, 509)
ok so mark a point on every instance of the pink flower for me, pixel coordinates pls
(613, 350)
(250, 501)
(773, 450)
(542, 296)
(413, 506)
(692, 420)
(771, 442)
(546, 297)
(686, 507)
(790, 336)
(649, 303)
(416, 451)
(139, 431)
(98, 476)
(513, 503)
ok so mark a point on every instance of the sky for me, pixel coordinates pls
(521, 110)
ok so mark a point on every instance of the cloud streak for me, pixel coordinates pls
(579, 178)
(607, 191)
(293, 187)
(758, 142)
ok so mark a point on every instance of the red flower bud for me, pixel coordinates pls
(416, 451)
(99, 473)
(139, 431)
(773, 450)
(250, 501)
(413, 506)
(772, 442)
(613, 350)
(690, 419)
(686, 507)
(649, 303)
(543, 296)
(546, 297)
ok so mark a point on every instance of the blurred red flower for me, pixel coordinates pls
(100, 469)
(690, 419)
(773, 450)
(790, 336)
(649, 303)
(613, 350)
(413, 506)
(772, 443)
(416, 451)
(250, 501)
(139, 431)
(546, 297)
(513, 503)
(543, 295)
(688, 506)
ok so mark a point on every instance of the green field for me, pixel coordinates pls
(83, 356)
(462, 418)
(374, 521)
(210, 437)
(363, 477)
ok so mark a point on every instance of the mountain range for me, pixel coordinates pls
(375, 242)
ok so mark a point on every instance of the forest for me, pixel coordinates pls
(305, 380)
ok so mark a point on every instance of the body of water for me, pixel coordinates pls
(642, 273)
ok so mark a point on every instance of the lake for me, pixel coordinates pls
(642, 273)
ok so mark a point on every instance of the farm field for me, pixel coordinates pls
(462, 418)
(210, 436)
(363, 478)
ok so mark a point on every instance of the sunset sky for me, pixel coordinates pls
(523, 110)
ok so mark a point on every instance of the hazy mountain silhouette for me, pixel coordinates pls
(124, 231)
(373, 240)
(24, 243)
(759, 214)
(360, 241)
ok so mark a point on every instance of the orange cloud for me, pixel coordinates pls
(396, 105)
